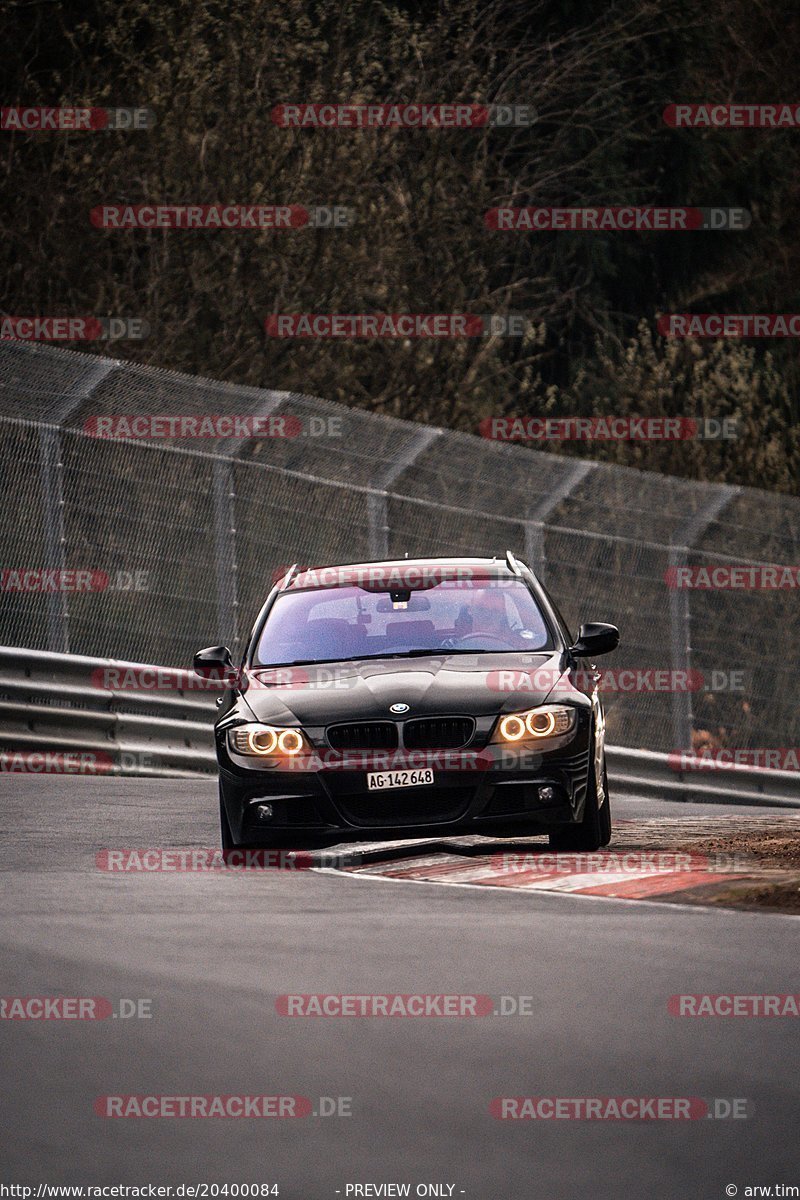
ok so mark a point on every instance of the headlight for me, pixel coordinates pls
(262, 741)
(549, 721)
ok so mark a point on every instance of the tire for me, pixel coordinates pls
(594, 830)
(606, 825)
(226, 837)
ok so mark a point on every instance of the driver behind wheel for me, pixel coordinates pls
(490, 616)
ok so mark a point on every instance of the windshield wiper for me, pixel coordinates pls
(298, 662)
(420, 653)
(314, 662)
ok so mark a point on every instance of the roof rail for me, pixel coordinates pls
(512, 563)
(287, 579)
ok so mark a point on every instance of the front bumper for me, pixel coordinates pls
(489, 791)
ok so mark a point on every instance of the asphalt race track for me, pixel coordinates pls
(213, 950)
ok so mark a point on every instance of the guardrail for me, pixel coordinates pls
(58, 704)
(63, 704)
(646, 773)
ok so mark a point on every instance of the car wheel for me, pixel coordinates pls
(226, 837)
(605, 811)
(594, 830)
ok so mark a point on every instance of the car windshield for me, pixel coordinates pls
(342, 623)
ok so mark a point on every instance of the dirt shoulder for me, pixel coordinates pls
(764, 864)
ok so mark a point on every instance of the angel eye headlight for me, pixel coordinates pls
(290, 741)
(512, 728)
(541, 724)
(260, 741)
(537, 723)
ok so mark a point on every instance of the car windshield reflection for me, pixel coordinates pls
(345, 623)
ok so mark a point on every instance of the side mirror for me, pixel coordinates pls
(595, 638)
(214, 663)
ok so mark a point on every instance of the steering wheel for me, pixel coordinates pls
(502, 643)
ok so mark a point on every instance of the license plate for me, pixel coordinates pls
(377, 780)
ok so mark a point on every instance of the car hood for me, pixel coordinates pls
(470, 684)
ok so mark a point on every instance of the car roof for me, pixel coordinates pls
(305, 577)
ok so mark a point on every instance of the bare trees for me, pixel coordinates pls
(213, 73)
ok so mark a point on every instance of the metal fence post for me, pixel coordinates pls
(680, 609)
(52, 485)
(536, 520)
(225, 564)
(378, 500)
(51, 478)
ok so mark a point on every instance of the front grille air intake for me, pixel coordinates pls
(438, 733)
(363, 735)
